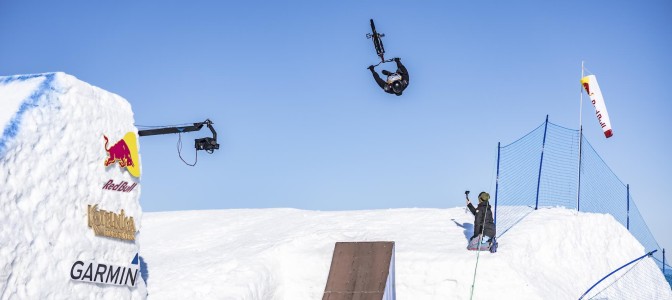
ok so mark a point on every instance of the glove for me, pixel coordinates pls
(397, 59)
(370, 67)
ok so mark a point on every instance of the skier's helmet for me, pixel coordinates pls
(397, 87)
(483, 196)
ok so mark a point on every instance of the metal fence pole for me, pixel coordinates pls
(578, 189)
(628, 224)
(497, 182)
(541, 161)
(663, 261)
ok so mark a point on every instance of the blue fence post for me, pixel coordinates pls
(541, 161)
(497, 182)
(628, 226)
(578, 189)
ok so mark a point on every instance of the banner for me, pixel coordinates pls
(593, 89)
(93, 272)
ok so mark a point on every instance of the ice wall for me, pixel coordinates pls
(63, 189)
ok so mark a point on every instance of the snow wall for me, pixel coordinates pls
(69, 199)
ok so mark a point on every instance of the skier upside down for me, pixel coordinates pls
(396, 82)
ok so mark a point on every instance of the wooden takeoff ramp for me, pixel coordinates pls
(361, 271)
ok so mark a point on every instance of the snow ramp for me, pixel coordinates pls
(361, 271)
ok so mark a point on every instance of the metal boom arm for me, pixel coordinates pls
(208, 144)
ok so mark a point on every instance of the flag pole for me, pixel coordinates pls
(578, 189)
(581, 98)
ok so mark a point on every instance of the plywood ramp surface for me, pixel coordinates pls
(359, 271)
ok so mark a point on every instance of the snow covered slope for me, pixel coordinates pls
(285, 253)
(55, 190)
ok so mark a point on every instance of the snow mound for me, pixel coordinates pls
(55, 189)
(286, 253)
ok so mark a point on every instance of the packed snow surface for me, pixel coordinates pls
(286, 253)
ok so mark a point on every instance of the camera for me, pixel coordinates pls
(207, 144)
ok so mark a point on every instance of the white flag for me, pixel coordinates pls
(593, 89)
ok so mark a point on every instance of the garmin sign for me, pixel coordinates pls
(103, 273)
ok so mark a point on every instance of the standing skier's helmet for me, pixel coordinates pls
(483, 196)
(396, 87)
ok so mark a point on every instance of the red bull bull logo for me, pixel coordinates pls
(587, 87)
(119, 152)
(125, 153)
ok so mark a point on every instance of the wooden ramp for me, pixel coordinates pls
(361, 271)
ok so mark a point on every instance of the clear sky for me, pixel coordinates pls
(301, 122)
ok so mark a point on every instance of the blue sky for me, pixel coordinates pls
(302, 124)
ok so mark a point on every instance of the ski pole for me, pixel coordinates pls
(466, 194)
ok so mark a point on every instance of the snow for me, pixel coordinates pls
(286, 253)
(51, 169)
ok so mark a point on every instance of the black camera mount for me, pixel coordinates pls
(209, 144)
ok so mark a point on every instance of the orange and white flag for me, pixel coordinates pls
(593, 89)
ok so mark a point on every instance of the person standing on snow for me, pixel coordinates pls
(396, 82)
(483, 223)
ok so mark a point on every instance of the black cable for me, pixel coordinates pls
(179, 151)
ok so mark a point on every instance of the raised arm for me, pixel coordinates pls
(402, 69)
(379, 80)
(471, 207)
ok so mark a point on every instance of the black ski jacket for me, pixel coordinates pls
(482, 213)
(401, 70)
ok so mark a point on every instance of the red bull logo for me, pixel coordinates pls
(587, 87)
(125, 153)
(119, 152)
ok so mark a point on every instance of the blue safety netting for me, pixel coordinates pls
(544, 169)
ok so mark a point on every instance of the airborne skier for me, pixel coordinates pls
(396, 82)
